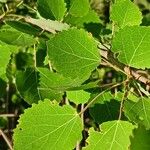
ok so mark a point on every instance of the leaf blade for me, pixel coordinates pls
(126, 13)
(114, 136)
(52, 9)
(55, 131)
(138, 111)
(132, 45)
(76, 49)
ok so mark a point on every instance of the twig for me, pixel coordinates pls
(34, 56)
(95, 98)
(6, 139)
(7, 115)
(50, 66)
(78, 145)
(82, 115)
(124, 97)
(110, 61)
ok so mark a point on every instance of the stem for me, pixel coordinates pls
(78, 145)
(124, 97)
(50, 66)
(109, 60)
(7, 115)
(95, 98)
(121, 105)
(20, 3)
(7, 97)
(82, 115)
(34, 57)
(6, 139)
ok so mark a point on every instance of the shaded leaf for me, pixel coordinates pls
(48, 126)
(24, 60)
(27, 84)
(53, 85)
(90, 17)
(140, 139)
(3, 86)
(15, 37)
(105, 112)
(5, 54)
(138, 112)
(23, 27)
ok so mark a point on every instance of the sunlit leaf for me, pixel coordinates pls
(78, 53)
(114, 135)
(132, 46)
(48, 126)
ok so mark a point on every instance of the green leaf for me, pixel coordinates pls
(3, 86)
(138, 112)
(140, 139)
(48, 126)
(89, 85)
(126, 13)
(114, 135)
(106, 107)
(53, 85)
(78, 96)
(24, 60)
(52, 9)
(3, 1)
(79, 8)
(78, 53)
(23, 27)
(106, 97)
(5, 54)
(90, 17)
(27, 84)
(132, 45)
(107, 111)
(12, 36)
(48, 25)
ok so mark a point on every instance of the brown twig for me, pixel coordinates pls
(110, 61)
(6, 139)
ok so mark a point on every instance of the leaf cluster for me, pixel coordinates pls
(85, 82)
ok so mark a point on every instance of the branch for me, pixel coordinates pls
(110, 61)
(6, 139)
